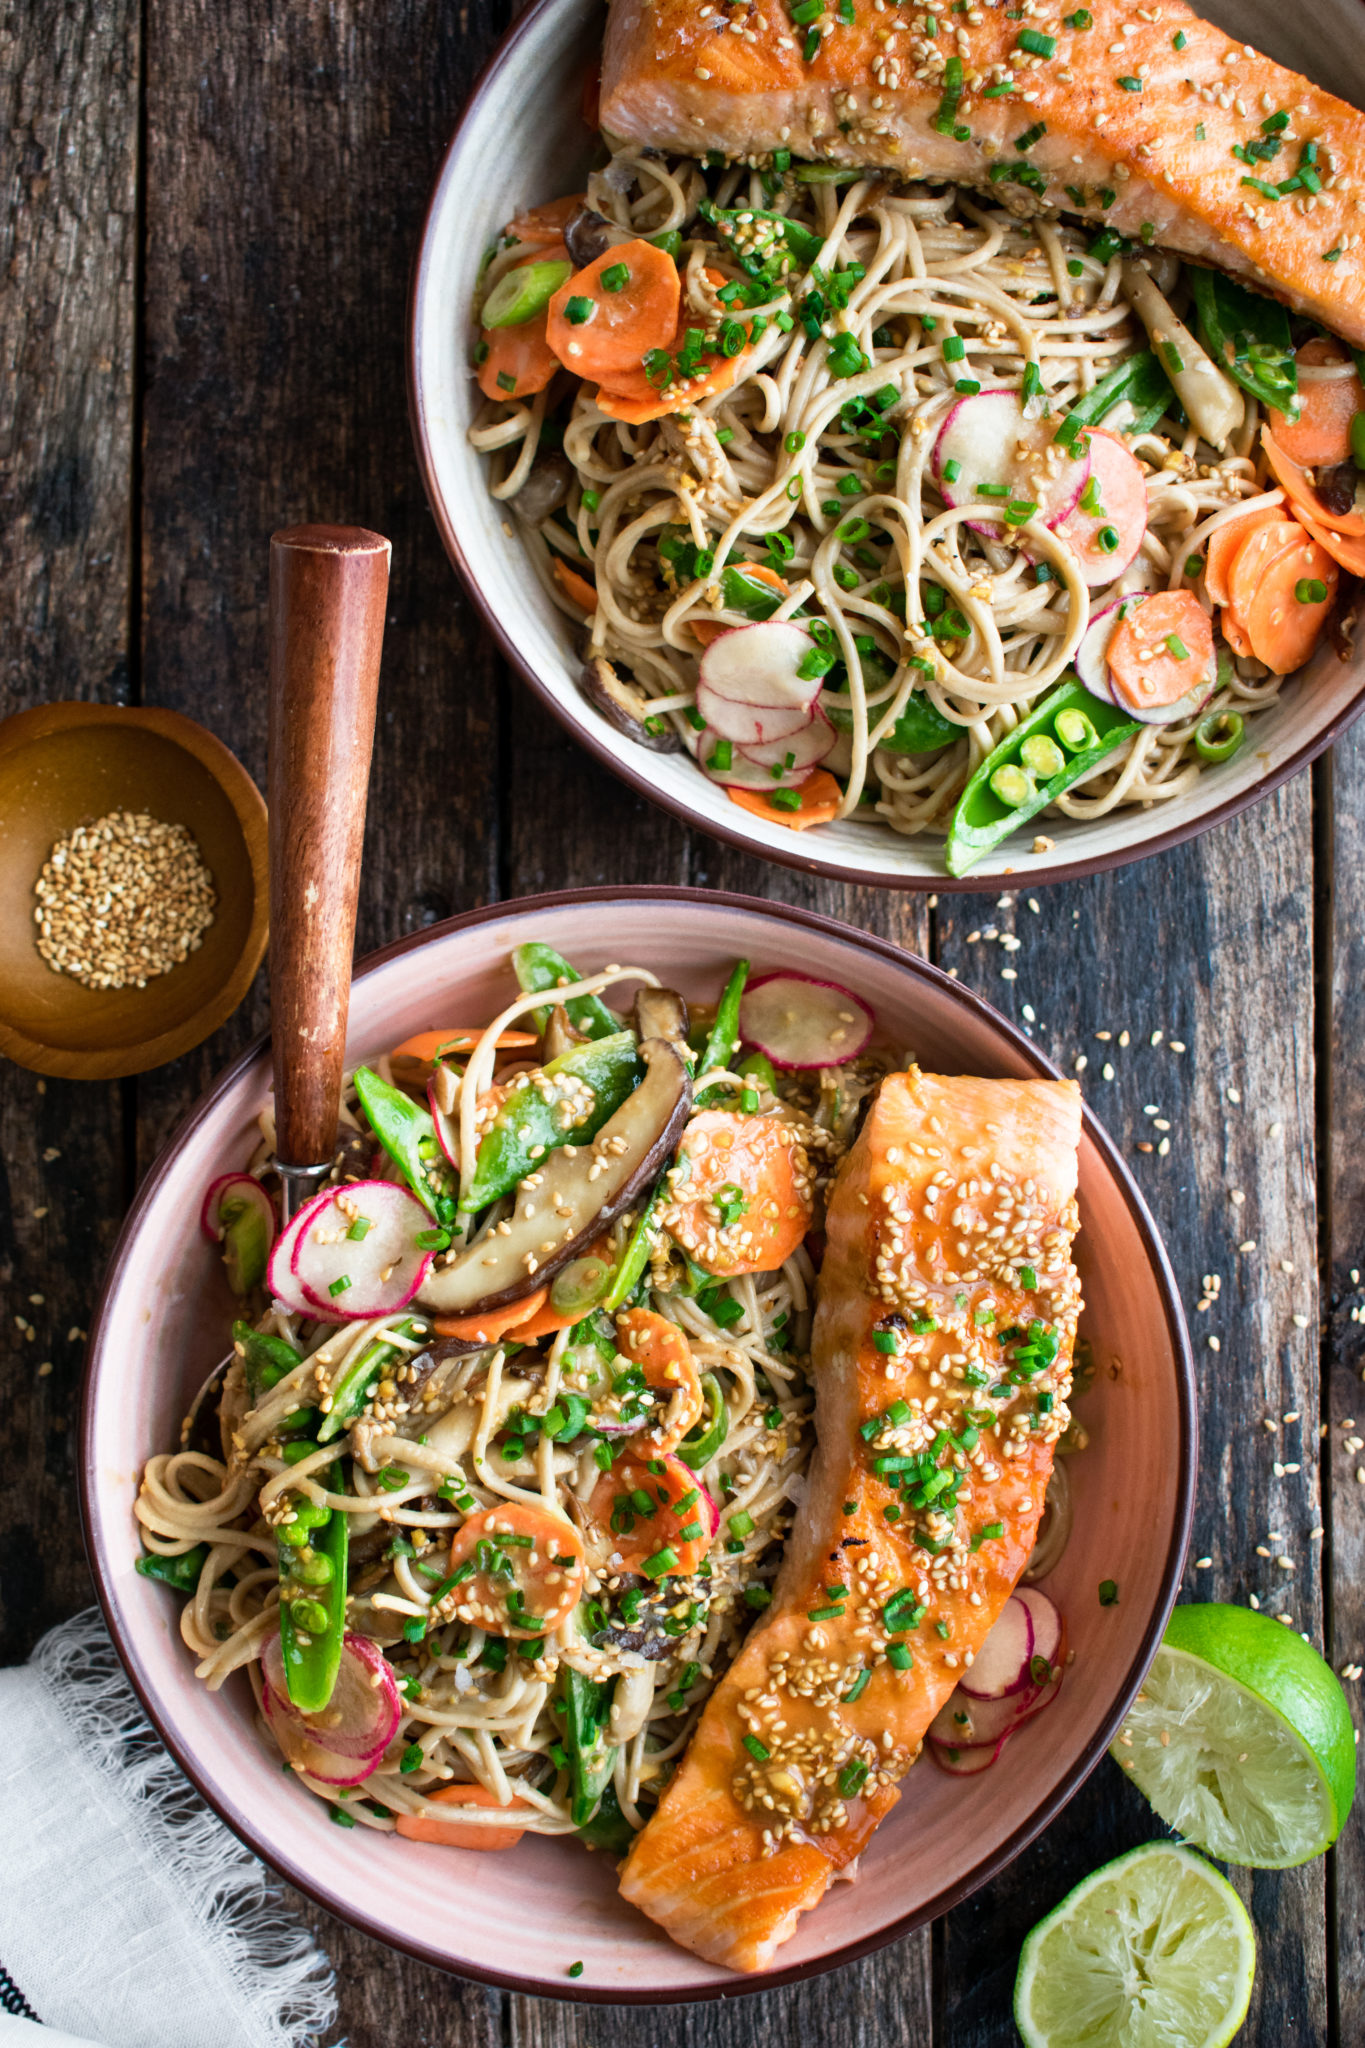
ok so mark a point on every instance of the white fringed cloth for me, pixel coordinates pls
(129, 1916)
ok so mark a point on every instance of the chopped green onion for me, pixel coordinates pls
(616, 278)
(578, 311)
(1037, 44)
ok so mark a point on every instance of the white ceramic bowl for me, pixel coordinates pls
(521, 140)
(522, 1918)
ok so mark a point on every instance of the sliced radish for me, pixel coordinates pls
(360, 1718)
(991, 442)
(447, 1132)
(1046, 1620)
(760, 665)
(350, 1273)
(730, 765)
(1091, 666)
(795, 755)
(279, 1272)
(1120, 491)
(800, 1022)
(966, 1759)
(749, 724)
(306, 1753)
(1001, 1666)
(243, 1187)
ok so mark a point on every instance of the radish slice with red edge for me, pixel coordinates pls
(761, 665)
(1001, 1666)
(363, 1713)
(279, 1272)
(358, 1254)
(969, 1757)
(1091, 666)
(749, 724)
(1117, 488)
(1046, 1620)
(245, 1187)
(730, 766)
(795, 755)
(302, 1749)
(800, 1022)
(447, 1133)
(982, 437)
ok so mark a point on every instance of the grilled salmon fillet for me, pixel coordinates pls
(942, 1364)
(1149, 119)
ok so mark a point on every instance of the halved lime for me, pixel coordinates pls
(1241, 1738)
(1153, 1951)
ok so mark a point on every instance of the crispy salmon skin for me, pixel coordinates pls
(1147, 118)
(942, 1365)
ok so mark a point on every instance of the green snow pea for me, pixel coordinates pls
(266, 1359)
(313, 1599)
(1139, 381)
(405, 1130)
(181, 1572)
(530, 1122)
(723, 1041)
(1003, 793)
(592, 1759)
(608, 1829)
(539, 967)
(353, 1389)
(1248, 336)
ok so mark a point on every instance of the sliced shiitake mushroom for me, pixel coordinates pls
(545, 489)
(560, 1036)
(578, 1192)
(588, 235)
(661, 1013)
(624, 707)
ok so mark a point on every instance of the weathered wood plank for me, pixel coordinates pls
(1209, 949)
(68, 75)
(1341, 966)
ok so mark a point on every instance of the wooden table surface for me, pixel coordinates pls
(210, 213)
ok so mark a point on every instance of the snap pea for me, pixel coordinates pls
(246, 1242)
(723, 1040)
(180, 1572)
(995, 803)
(1139, 381)
(756, 1066)
(520, 294)
(608, 1829)
(353, 1389)
(1248, 336)
(586, 1711)
(266, 1359)
(920, 729)
(705, 1438)
(530, 1121)
(1219, 736)
(408, 1135)
(776, 234)
(635, 1257)
(742, 591)
(313, 1609)
(539, 967)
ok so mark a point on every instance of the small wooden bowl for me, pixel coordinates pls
(62, 764)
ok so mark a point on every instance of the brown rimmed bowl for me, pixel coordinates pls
(520, 1919)
(521, 141)
(65, 764)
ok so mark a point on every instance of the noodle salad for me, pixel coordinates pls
(483, 1524)
(886, 503)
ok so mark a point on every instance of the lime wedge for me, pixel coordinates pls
(1153, 1951)
(1241, 1738)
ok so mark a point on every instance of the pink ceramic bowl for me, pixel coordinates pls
(519, 1920)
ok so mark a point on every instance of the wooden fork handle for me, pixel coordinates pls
(328, 591)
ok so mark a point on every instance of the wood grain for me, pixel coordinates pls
(1208, 949)
(68, 248)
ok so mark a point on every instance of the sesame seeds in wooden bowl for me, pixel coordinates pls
(140, 842)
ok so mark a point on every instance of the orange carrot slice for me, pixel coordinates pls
(1322, 432)
(421, 1827)
(664, 1355)
(1234, 632)
(573, 585)
(1282, 628)
(634, 292)
(1249, 563)
(631, 397)
(1162, 649)
(494, 1322)
(430, 1045)
(519, 361)
(820, 797)
(1226, 542)
(641, 1508)
(539, 1575)
(746, 1168)
(541, 225)
(1290, 475)
(1343, 548)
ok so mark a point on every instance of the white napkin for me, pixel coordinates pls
(129, 1916)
